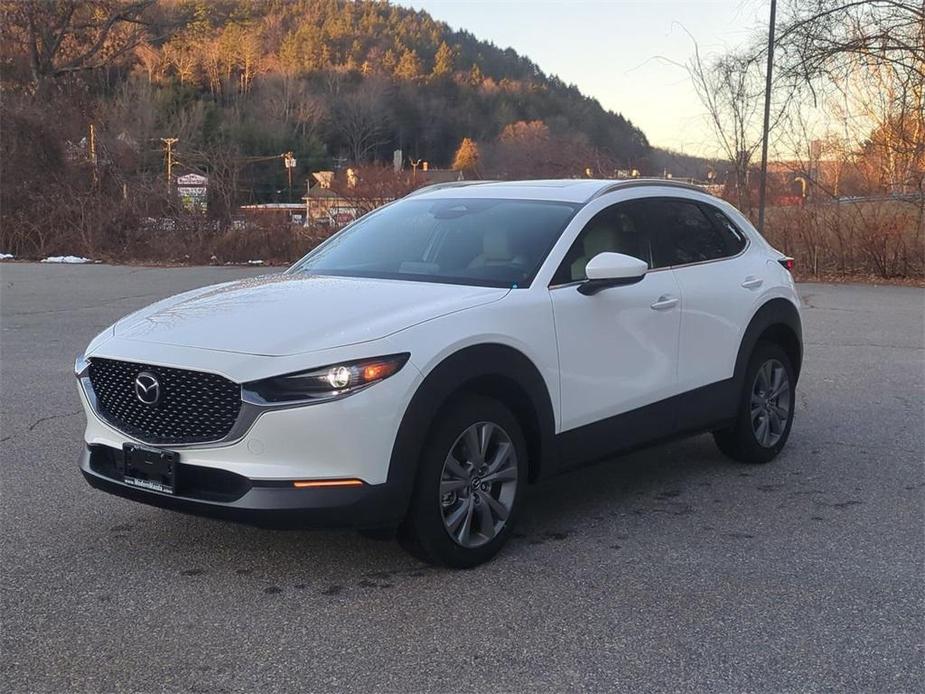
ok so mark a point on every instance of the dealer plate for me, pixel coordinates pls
(150, 468)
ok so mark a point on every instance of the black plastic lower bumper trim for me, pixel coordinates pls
(370, 506)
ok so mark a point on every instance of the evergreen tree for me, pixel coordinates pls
(467, 156)
(475, 75)
(443, 60)
(389, 62)
(409, 66)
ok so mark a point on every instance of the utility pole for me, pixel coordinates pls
(169, 142)
(91, 149)
(289, 163)
(763, 183)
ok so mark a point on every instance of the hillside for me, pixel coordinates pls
(330, 79)
(94, 93)
(425, 86)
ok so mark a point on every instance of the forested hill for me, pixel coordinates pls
(326, 79)
(358, 79)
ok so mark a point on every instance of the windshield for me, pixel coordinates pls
(497, 243)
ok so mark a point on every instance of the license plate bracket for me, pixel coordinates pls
(150, 468)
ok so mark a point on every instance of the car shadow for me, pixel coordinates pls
(662, 473)
(655, 480)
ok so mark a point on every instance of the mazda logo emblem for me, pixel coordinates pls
(147, 389)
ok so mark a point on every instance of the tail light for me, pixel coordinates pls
(787, 263)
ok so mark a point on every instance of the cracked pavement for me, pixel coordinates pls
(671, 569)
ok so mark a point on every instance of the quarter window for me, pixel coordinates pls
(688, 235)
(735, 239)
(694, 233)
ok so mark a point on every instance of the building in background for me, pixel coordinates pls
(337, 198)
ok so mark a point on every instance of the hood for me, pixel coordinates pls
(278, 315)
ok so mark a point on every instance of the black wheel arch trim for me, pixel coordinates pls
(774, 315)
(476, 369)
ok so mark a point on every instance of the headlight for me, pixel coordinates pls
(325, 383)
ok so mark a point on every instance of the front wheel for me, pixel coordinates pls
(765, 409)
(469, 484)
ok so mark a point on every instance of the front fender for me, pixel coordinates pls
(462, 369)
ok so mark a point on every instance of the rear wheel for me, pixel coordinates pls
(765, 409)
(468, 488)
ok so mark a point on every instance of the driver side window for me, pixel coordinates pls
(614, 229)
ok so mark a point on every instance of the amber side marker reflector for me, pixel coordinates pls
(379, 370)
(303, 484)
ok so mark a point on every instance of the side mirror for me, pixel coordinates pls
(612, 270)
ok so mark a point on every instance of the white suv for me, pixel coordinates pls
(421, 367)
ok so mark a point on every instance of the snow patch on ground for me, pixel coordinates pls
(248, 262)
(71, 259)
(6, 256)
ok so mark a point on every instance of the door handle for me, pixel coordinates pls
(664, 302)
(752, 282)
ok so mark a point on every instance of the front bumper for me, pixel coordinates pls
(348, 438)
(266, 503)
(250, 478)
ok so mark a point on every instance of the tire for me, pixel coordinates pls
(765, 414)
(457, 518)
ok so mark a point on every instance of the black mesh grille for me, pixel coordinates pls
(193, 406)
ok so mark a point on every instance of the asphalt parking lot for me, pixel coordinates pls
(670, 569)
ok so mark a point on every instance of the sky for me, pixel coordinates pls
(618, 51)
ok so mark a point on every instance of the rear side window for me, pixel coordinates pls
(693, 233)
(735, 239)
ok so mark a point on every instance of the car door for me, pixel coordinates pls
(618, 348)
(718, 279)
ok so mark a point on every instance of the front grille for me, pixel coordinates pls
(194, 407)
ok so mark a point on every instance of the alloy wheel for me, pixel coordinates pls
(478, 484)
(770, 403)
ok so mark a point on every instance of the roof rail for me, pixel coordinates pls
(449, 184)
(644, 182)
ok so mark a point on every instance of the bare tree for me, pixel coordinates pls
(289, 101)
(530, 149)
(865, 62)
(310, 112)
(224, 164)
(730, 87)
(816, 36)
(372, 186)
(362, 122)
(60, 37)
